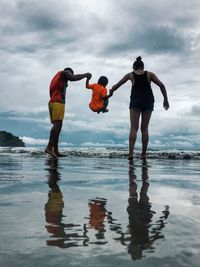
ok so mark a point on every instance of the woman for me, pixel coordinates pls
(141, 102)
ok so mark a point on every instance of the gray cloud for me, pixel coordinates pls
(152, 40)
(158, 28)
(194, 111)
(34, 27)
(37, 17)
(40, 37)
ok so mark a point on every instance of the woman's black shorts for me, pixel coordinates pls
(141, 105)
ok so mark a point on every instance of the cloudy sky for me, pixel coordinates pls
(38, 38)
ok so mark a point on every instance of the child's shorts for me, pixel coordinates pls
(56, 111)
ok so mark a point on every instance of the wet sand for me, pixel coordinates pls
(98, 212)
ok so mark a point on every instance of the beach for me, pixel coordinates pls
(95, 208)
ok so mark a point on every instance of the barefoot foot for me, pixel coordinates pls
(130, 157)
(143, 156)
(60, 155)
(50, 152)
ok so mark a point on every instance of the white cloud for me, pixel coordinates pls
(33, 141)
(109, 144)
(29, 141)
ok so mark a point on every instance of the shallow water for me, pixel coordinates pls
(98, 212)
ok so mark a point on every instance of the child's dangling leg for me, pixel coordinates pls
(105, 104)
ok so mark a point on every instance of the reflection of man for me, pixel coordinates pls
(142, 234)
(63, 235)
(54, 206)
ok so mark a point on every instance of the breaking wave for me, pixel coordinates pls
(103, 153)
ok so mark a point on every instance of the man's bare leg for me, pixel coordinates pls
(134, 120)
(56, 150)
(52, 146)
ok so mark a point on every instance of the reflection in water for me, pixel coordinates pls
(62, 235)
(142, 231)
(73, 235)
(96, 219)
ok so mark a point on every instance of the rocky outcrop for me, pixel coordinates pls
(9, 140)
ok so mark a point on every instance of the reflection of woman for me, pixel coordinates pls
(140, 214)
(141, 102)
(142, 234)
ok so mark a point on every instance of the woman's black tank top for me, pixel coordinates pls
(142, 88)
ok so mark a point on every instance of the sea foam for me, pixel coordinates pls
(96, 152)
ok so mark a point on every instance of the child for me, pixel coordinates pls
(99, 101)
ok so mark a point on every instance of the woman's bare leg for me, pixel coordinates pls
(146, 116)
(134, 120)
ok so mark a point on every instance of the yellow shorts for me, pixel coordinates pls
(56, 111)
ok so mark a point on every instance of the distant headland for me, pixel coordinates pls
(9, 140)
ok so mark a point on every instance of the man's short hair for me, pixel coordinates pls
(70, 70)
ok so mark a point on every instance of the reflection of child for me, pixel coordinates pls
(97, 213)
(97, 217)
(99, 101)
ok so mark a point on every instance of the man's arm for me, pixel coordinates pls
(120, 83)
(163, 90)
(87, 82)
(77, 77)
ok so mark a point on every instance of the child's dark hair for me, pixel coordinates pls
(103, 80)
(138, 64)
(70, 70)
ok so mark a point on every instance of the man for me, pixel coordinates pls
(58, 87)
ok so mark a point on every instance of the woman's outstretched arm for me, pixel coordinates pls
(120, 83)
